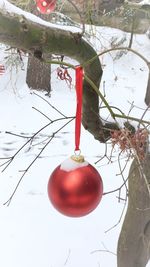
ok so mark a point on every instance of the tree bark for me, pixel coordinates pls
(147, 96)
(38, 74)
(134, 239)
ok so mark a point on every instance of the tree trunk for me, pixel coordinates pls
(38, 74)
(134, 240)
(147, 96)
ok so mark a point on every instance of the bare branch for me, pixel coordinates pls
(31, 164)
(121, 216)
(104, 250)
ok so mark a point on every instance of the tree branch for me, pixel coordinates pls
(115, 14)
(29, 36)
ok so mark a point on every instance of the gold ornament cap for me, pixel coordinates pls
(78, 158)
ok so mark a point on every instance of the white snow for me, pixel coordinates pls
(144, 2)
(70, 165)
(32, 232)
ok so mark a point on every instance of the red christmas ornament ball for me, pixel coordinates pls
(45, 6)
(75, 188)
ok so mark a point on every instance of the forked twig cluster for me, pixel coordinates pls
(129, 141)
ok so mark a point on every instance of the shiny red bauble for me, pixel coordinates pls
(45, 6)
(75, 188)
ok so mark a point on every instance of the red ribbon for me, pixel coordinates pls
(79, 89)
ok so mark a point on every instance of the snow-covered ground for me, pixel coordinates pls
(32, 232)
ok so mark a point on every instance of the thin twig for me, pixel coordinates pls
(100, 95)
(122, 170)
(29, 166)
(18, 135)
(80, 15)
(104, 156)
(33, 136)
(115, 49)
(141, 120)
(131, 118)
(132, 32)
(50, 105)
(66, 261)
(42, 113)
(115, 225)
(12, 158)
(115, 190)
(103, 250)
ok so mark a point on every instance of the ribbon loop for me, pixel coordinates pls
(79, 89)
